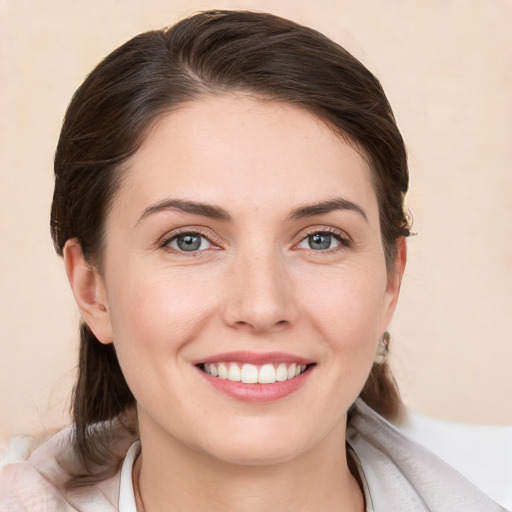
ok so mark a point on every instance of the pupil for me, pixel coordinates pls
(320, 241)
(189, 242)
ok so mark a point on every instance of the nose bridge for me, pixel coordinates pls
(260, 290)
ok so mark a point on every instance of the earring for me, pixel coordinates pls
(382, 348)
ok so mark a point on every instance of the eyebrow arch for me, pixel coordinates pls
(182, 205)
(337, 203)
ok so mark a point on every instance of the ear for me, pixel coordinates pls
(89, 290)
(394, 282)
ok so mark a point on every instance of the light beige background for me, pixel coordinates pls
(446, 67)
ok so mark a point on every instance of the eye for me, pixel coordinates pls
(320, 241)
(189, 242)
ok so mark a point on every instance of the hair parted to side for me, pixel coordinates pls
(154, 73)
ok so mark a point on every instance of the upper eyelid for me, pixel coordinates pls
(198, 230)
(213, 238)
(344, 239)
(324, 229)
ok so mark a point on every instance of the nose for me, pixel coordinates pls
(260, 295)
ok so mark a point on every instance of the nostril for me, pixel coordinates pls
(260, 325)
(281, 324)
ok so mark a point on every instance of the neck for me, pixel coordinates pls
(176, 477)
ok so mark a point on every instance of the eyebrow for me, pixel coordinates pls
(218, 213)
(194, 207)
(337, 203)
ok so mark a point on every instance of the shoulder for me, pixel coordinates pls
(23, 488)
(34, 484)
(398, 472)
(38, 484)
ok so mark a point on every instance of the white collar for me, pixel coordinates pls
(126, 494)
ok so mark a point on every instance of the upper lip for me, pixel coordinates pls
(256, 358)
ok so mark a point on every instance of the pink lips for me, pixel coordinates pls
(255, 358)
(256, 393)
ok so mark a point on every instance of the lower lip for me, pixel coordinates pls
(257, 393)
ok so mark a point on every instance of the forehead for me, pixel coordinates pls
(246, 151)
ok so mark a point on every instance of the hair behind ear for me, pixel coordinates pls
(381, 392)
(100, 394)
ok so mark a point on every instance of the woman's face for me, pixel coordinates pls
(244, 241)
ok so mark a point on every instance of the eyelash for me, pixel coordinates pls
(164, 244)
(341, 237)
(344, 240)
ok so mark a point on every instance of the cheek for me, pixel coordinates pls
(154, 314)
(346, 309)
(348, 304)
(154, 318)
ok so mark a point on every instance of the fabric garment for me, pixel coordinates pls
(401, 475)
(398, 475)
(482, 453)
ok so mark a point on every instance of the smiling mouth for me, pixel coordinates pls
(254, 374)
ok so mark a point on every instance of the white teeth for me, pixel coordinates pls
(251, 374)
(222, 370)
(281, 373)
(267, 374)
(234, 373)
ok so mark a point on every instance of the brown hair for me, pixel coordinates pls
(152, 74)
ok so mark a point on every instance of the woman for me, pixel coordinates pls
(229, 202)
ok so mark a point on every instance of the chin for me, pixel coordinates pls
(251, 454)
(260, 446)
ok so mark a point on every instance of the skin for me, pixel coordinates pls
(257, 286)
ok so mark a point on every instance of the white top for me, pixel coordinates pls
(126, 494)
(398, 475)
(482, 453)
